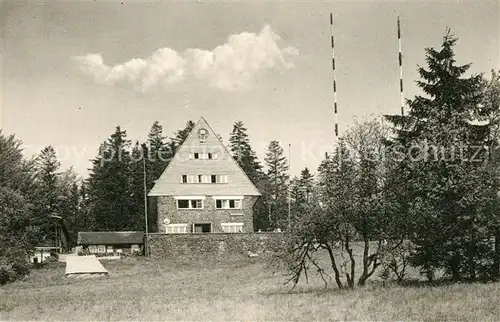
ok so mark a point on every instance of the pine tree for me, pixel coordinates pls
(490, 112)
(301, 192)
(276, 192)
(109, 185)
(180, 136)
(306, 184)
(136, 220)
(239, 144)
(16, 172)
(84, 220)
(46, 202)
(158, 155)
(47, 173)
(69, 204)
(447, 223)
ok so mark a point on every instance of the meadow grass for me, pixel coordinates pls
(232, 289)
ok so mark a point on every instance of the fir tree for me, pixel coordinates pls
(109, 188)
(276, 191)
(158, 155)
(68, 204)
(446, 223)
(306, 184)
(46, 202)
(239, 144)
(47, 173)
(136, 220)
(180, 136)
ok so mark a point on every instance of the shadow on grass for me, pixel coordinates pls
(446, 281)
(373, 285)
(304, 290)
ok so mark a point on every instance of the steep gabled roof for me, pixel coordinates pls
(170, 182)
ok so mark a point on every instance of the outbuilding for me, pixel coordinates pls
(111, 242)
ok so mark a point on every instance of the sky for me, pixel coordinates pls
(72, 71)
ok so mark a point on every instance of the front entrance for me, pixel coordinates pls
(202, 228)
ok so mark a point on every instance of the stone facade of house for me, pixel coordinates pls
(167, 208)
(203, 189)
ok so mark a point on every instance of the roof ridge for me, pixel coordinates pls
(224, 149)
(231, 156)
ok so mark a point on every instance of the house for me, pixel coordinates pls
(111, 242)
(203, 189)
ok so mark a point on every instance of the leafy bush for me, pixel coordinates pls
(395, 261)
(16, 235)
(13, 265)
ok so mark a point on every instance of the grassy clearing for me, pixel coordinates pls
(238, 289)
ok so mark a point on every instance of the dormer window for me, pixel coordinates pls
(202, 135)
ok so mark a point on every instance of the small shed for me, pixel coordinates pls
(111, 242)
(40, 254)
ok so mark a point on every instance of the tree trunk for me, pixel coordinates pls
(334, 266)
(496, 259)
(350, 277)
(454, 263)
(366, 252)
(368, 261)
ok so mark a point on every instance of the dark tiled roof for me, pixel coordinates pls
(110, 237)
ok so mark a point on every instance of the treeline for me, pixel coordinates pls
(417, 190)
(420, 189)
(112, 197)
(32, 192)
(35, 191)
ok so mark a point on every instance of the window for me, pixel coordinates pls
(189, 204)
(203, 178)
(135, 249)
(218, 178)
(233, 227)
(228, 203)
(203, 134)
(202, 228)
(109, 249)
(176, 229)
(92, 249)
(182, 204)
(203, 156)
(101, 249)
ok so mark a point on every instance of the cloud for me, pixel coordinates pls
(230, 66)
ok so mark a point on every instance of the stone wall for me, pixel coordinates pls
(167, 208)
(193, 246)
